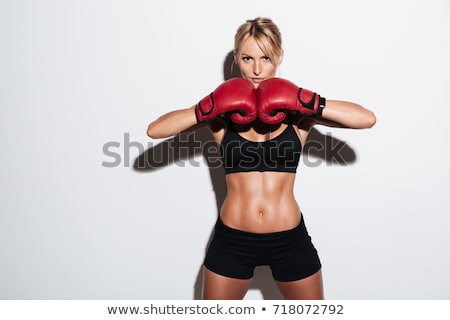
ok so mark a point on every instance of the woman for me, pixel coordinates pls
(260, 123)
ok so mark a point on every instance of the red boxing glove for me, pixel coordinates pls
(275, 96)
(236, 96)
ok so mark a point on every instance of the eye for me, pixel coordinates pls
(266, 59)
(246, 58)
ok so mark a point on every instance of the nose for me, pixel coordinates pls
(256, 69)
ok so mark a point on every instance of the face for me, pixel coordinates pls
(254, 64)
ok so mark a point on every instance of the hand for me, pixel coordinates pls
(276, 96)
(236, 96)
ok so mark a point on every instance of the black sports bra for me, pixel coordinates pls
(281, 153)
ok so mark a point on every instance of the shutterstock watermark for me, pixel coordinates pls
(184, 149)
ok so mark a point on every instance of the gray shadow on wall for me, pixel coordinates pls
(199, 141)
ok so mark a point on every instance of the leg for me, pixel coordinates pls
(310, 288)
(218, 287)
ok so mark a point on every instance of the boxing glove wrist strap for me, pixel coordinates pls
(321, 107)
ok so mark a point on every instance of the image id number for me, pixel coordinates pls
(308, 309)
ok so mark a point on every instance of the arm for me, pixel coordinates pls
(347, 115)
(277, 96)
(235, 97)
(172, 123)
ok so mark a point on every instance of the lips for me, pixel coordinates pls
(257, 80)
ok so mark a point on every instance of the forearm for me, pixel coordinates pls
(348, 114)
(172, 123)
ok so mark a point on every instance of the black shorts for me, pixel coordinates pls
(235, 253)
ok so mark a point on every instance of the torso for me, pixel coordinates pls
(261, 202)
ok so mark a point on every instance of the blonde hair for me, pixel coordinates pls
(266, 34)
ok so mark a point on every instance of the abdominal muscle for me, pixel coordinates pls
(260, 202)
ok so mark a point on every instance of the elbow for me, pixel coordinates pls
(366, 120)
(151, 132)
(371, 120)
(157, 130)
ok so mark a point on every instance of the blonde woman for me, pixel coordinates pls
(260, 123)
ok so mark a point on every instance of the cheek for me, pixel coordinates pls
(245, 70)
(271, 69)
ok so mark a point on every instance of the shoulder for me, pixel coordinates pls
(303, 122)
(218, 128)
(302, 125)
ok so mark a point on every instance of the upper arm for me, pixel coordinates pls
(328, 123)
(345, 114)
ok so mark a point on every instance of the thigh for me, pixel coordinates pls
(218, 287)
(310, 288)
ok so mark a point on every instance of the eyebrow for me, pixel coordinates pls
(250, 56)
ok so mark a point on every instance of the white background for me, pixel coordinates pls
(80, 81)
